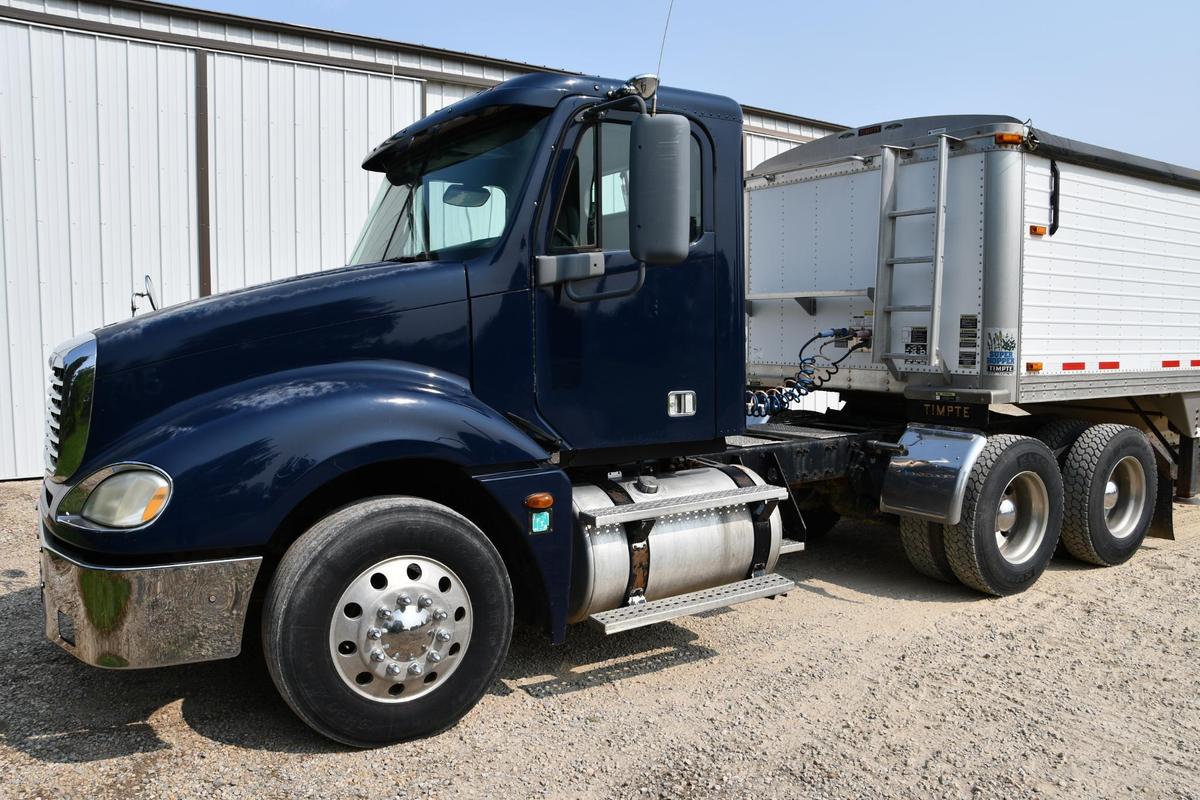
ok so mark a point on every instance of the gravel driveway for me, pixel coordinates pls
(866, 681)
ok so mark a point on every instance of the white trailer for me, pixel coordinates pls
(982, 268)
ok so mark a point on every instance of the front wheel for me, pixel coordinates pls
(387, 620)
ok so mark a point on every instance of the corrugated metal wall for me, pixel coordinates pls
(286, 144)
(98, 186)
(99, 141)
(96, 171)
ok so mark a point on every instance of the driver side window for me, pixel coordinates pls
(593, 209)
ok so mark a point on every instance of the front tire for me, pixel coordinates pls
(1011, 517)
(387, 621)
(1111, 486)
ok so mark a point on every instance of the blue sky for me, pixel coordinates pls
(1124, 75)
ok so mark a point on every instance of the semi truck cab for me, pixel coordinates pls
(523, 399)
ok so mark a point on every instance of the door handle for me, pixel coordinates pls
(611, 293)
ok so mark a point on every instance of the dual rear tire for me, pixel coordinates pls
(1019, 501)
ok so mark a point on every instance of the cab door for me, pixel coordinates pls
(627, 358)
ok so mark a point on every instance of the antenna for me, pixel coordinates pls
(662, 46)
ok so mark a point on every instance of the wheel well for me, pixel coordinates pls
(431, 480)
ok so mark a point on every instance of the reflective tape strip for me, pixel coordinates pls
(1073, 365)
(1174, 363)
(1110, 365)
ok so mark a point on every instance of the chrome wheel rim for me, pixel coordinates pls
(400, 629)
(1124, 497)
(1022, 517)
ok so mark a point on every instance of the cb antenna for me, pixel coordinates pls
(662, 46)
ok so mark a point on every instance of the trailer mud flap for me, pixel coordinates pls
(928, 478)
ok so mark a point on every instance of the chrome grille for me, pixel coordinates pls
(54, 400)
(69, 405)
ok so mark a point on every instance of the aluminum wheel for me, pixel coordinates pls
(1124, 497)
(1022, 517)
(400, 629)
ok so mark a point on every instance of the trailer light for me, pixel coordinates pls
(127, 499)
(1009, 138)
(1034, 366)
(539, 500)
(1037, 230)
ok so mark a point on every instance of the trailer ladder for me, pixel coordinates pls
(888, 261)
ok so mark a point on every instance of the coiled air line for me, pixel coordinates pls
(811, 375)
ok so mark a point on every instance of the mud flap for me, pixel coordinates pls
(1162, 525)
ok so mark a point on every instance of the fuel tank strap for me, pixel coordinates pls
(760, 515)
(637, 536)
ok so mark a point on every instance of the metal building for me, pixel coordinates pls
(205, 150)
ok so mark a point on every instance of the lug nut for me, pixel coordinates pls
(425, 601)
(443, 636)
(394, 668)
(404, 599)
(440, 614)
(434, 656)
(378, 655)
(374, 633)
(414, 669)
(385, 613)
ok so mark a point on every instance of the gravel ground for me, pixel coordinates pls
(866, 681)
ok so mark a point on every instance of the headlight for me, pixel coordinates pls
(127, 499)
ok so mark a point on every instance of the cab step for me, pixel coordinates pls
(637, 616)
(790, 546)
(683, 504)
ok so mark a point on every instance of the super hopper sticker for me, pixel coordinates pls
(1001, 350)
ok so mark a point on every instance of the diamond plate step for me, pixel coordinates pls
(652, 509)
(790, 546)
(629, 617)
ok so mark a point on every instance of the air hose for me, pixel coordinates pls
(810, 377)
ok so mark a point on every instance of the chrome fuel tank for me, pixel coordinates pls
(688, 552)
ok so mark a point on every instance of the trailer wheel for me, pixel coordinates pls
(925, 547)
(387, 620)
(1111, 484)
(1011, 515)
(1060, 433)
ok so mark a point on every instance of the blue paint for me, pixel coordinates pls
(253, 400)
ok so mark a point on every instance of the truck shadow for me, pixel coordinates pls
(589, 659)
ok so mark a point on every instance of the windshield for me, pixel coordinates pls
(454, 198)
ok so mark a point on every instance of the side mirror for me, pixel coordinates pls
(659, 177)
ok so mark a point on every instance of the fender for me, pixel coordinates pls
(243, 456)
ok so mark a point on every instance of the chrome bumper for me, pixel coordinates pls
(131, 617)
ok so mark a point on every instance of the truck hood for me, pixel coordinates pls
(279, 309)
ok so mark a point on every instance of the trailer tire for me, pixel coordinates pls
(925, 547)
(331, 650)
(1060, 433)
(1111, 481)
(1011, 516)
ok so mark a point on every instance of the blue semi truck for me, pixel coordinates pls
(526, 398)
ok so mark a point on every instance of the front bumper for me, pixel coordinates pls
(131, 617)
